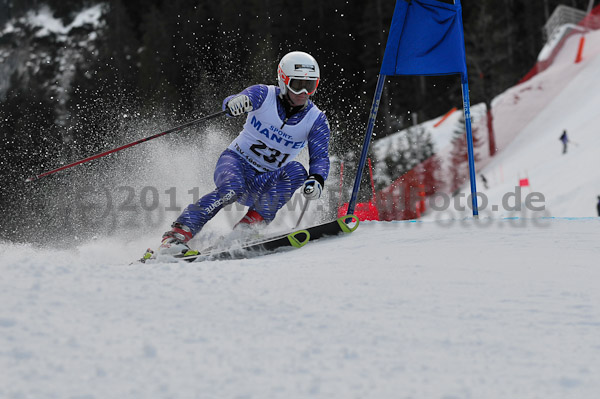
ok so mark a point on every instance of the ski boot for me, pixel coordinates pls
(252, 219)
(174, 243)
(248, 228)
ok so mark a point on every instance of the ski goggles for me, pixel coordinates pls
(297, 86)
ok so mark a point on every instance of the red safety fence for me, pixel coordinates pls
(591, 21)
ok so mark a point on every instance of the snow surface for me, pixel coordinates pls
(506, 306)
(462, 309)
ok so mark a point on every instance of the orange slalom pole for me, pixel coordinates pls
(580, 50)
(445, 117)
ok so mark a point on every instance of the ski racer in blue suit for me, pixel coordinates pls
(258, 168)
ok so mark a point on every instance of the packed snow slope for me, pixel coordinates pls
(462, 309)
(506, 306)
(564, 97)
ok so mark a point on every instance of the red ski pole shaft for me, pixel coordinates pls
(126, 146)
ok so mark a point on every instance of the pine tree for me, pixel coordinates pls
(459, 170)
(158, 62)
(406, 152)
(115, 67)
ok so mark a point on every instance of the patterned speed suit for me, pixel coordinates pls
(257, 169)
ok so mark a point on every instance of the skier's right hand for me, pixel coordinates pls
(239, 105)
(313, 186)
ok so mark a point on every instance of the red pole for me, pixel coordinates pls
(341, 185)
(421, 201)
(374, 199)
(125, 146)
(580, 50)
(445, 117)
(491, 136)
(371, 174)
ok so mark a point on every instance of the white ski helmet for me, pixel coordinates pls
(298, 72)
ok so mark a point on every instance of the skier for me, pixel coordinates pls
(258, 168)
(598, 206)
(484, 180)
(564, 140)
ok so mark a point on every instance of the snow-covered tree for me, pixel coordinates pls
(459, 169)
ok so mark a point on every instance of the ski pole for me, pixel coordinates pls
(304, 208)
(180, 127)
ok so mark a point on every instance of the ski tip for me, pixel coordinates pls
(348, 223)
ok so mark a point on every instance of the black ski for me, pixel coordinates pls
(295, 239)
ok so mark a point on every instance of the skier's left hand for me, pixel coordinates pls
(313, 187)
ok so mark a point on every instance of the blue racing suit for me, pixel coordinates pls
(258, 169)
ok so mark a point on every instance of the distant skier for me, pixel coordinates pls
(484, 180)
(565, 141)
(258, 168)
(598, 206)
